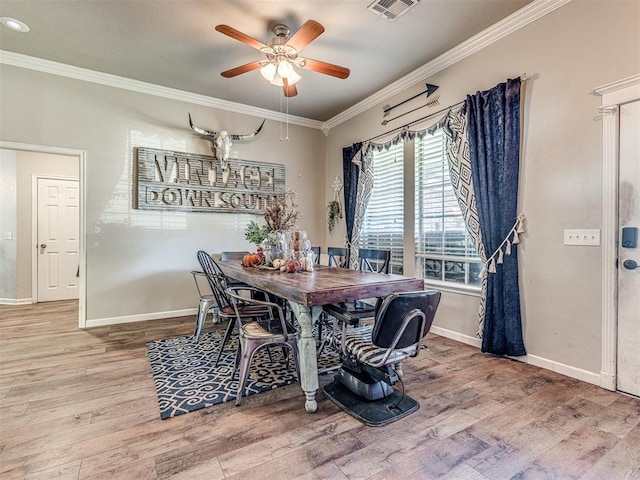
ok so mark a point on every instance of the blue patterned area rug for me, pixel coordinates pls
(186, 379)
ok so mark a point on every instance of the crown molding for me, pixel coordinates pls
(618, 92)
(69, 71)
(515, 21)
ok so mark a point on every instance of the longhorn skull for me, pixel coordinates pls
(222, 141)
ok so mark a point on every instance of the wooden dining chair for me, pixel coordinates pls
(316, 254)
(338, 257)
(227, 255)
(352, 313)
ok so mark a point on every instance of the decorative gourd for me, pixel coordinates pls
(251, 260)
(307, 264)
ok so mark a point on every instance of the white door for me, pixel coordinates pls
(628, 360)
(58, 232)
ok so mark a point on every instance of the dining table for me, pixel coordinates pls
(307, 292)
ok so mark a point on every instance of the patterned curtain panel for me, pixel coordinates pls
(457, 145)
(493, 129)
(362, 160)
(351, 174)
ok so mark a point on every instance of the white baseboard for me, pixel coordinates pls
(16, 301)
(608, 381)
(459, 337)
(102, 322)
(568, 370)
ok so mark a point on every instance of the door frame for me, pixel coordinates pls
(81, 155)
(35, 257)
(612, 96)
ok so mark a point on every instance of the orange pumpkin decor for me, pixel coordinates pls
(252, 260)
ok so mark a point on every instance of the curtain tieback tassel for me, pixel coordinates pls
(490, 264)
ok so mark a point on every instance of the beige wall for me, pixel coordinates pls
(8, 226)
(138, 262)
(582, 45)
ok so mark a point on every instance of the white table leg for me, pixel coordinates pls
(307, 347)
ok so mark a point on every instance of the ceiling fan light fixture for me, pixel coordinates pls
(268, 71)
(285, 68)
(277, 81)
(293, 78)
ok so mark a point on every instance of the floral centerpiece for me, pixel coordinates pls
(280, 217)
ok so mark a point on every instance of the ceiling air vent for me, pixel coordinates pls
(391, 9)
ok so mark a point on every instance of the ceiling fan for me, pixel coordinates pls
(281, 54)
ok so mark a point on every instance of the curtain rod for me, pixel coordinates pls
(522, 77)
(415, 121)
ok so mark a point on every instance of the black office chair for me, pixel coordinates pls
(372, 357)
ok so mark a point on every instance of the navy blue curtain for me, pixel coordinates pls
(350, 173)
(493, 123)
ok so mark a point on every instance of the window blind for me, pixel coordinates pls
(442, 241)
(383, 224)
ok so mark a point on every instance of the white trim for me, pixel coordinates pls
(142, 317)
(616, 93)
(82, 160)
(69, 71)
(609, 239)
(569, 371)
(613, 95)
(15, 301)
(508, 25)
(451, 287)
(457, 336)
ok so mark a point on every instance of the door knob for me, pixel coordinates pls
(630, 264)
(43, 245)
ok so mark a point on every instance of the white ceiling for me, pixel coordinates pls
(173, 43)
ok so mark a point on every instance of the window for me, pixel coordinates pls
(383, 224)
(444, 249)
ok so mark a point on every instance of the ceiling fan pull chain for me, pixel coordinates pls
(287, 117)
(281, 95)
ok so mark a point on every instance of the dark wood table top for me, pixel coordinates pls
(323, 286)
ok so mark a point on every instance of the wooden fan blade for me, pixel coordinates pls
(326, 68)
(307, 33)
(247, 67)
(238, 35)
(289, 90)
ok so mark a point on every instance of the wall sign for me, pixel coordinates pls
(166, 180)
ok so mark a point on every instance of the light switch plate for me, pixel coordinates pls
(584, 237)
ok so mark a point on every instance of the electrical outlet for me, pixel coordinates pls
(584, 237)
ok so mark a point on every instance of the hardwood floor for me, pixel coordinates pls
(81, 405)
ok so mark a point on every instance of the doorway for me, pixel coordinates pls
(621, 281)
(56, 233)
(24, 154)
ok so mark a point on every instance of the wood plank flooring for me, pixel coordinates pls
(81, 405)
